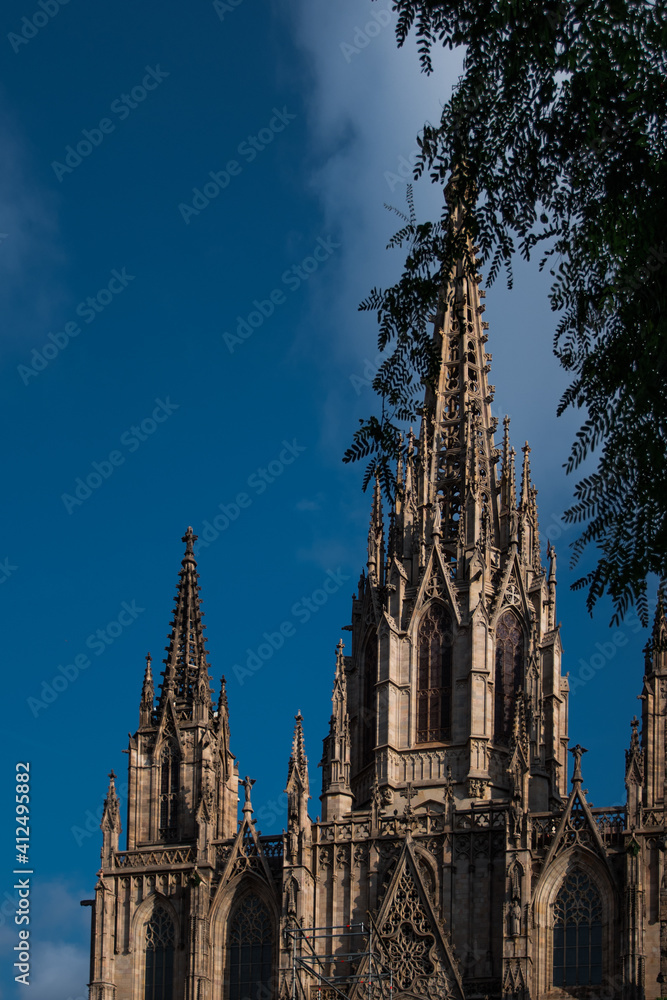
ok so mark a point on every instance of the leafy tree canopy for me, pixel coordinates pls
(554, 140)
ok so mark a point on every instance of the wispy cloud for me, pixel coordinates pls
(29, 242)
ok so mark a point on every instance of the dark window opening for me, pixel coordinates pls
(250, 951)
(159, 970)
(509, 673)
(434, 676)
(577, 932)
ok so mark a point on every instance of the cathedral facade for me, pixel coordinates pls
(453, 859)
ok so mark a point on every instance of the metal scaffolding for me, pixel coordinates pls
(327, 974)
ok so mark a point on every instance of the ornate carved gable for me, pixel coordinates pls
(511, 591)
(577, 828)
(412, 945)
(436, 582)
(168, 729)
(247, 856)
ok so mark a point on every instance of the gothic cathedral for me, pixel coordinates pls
(453, 860)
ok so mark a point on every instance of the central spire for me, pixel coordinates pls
(185, 677)
(460, 483)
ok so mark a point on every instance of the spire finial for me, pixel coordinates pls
(189, 538)
(147, 695)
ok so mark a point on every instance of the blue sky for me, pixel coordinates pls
(191, 208)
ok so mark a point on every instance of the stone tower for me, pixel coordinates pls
(452, 858)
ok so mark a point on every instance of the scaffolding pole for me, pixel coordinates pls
(313, 950)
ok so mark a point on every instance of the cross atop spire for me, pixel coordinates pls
(185, 677)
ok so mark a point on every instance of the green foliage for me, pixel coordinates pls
(557, 129)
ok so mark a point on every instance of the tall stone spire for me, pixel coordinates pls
(110, 824)
(185, 677)
(298, 788)
(336, 792)
(298, 760)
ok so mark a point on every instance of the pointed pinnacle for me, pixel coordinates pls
(340, 659)
(506, 443)
(525, 477)
(298, 757)
(399, 464)
(148, 673)
(223, 704)
(659, 633)
(376, 511)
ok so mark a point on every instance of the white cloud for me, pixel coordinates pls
(60, 972)
(59, 944)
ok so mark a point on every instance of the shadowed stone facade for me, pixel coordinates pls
(452, 858)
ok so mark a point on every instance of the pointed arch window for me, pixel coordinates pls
(577, 952)
(509, 673)
(159, 949)
(434, 676)
(250, 951)
(169, 785)
(368, 709)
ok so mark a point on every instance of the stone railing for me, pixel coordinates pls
(167, 857)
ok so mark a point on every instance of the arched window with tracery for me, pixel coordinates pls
(169, 785)
(250, 951)
(159, 950)
(577, 933)
(434, 676)
(509, 673)
(368, 708)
